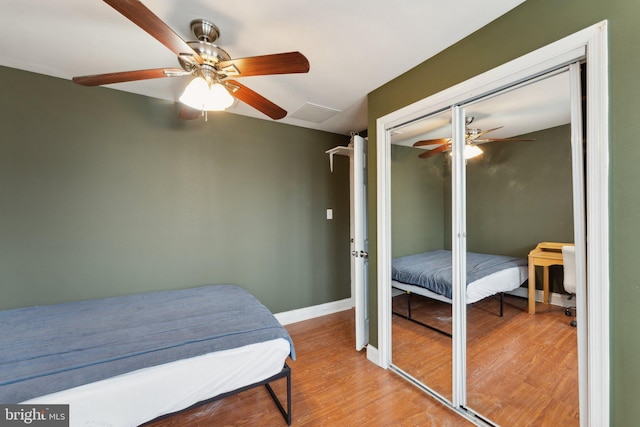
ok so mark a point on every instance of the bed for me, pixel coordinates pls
(124, 361)
(429, 274)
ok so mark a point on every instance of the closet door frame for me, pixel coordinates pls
(590, 43)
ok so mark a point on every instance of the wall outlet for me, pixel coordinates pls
(329, 213)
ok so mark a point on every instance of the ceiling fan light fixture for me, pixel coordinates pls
(218, 98)
(200, 95)
(471, 151)
(195, 92)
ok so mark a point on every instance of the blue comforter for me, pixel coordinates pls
(51, 348)
(432, 270)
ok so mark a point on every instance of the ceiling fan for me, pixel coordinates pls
(472, 137)
(210, 65)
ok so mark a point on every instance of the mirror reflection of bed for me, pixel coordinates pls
(520, 367)
(430, 274)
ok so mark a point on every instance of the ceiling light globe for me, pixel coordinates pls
(471, 151)
(218, 98)
(195, 94)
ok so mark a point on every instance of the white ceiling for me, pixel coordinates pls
(353, 46)
(531, 106)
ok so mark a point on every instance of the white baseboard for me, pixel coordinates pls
(372, 354)
(307, 313)
(554, 298)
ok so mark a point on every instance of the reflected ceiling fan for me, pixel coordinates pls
(472, 137)
(212, 67)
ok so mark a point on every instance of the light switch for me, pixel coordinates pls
(329, 213)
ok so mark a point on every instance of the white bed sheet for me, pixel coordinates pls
(140, 396)
(500, 281)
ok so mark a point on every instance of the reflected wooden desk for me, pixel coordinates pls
(544, 255)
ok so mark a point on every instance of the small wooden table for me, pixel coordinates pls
(544, 255)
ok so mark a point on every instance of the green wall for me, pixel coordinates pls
(520, 194)
(417, 212)
(534, 24)
(107, 193)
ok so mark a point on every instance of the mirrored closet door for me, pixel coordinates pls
(475, 187)
(519, 194)
(421, 319)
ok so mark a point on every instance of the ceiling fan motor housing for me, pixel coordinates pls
(204, 30)
(206, 33)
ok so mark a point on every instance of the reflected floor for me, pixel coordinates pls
(521, 369)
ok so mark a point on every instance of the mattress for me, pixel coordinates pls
(429, 274)
(502, 281)
(136, 397)
(111, 358)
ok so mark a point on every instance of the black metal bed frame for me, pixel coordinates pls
(433, 328)
(284, 373)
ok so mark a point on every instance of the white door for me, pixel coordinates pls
(359, 239)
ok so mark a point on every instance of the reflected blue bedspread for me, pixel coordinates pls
(432, 270)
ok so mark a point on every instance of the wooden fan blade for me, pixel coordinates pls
(279, 63)
(126, 76)
(432, 142)
(255, 100)
(484, 132)
(188, 113)
(431, 153)
(140, 15)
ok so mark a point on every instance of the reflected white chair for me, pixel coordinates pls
(569, 283)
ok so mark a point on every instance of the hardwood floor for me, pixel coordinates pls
(332, 385)
(522, 372)
(522, 369)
